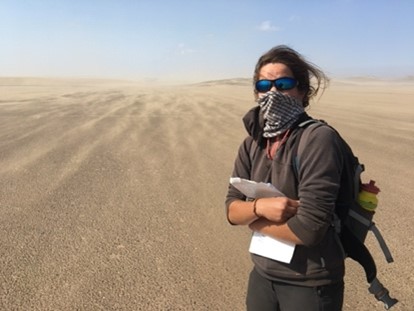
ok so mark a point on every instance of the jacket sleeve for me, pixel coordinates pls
(320, 166)
(242, 167)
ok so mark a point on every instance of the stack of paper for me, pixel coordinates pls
(260, 244)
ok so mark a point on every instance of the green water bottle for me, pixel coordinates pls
(367, 198)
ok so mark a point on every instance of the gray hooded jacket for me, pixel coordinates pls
(320, 260)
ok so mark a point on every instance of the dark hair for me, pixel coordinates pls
(302, 70)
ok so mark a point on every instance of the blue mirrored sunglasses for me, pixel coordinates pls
(281, 84)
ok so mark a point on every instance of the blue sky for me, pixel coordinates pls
(202, 40)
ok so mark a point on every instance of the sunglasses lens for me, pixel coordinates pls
(263, 86)
(281, 84)
(284, 84)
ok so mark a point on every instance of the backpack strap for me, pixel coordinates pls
(295, 148)
(372, 227)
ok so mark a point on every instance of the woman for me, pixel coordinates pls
(313, 279)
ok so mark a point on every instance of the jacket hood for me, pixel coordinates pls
(254, 123)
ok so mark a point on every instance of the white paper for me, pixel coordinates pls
(271, 248)
(260, 244)
(252, 189)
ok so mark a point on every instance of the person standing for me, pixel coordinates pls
(313, 279)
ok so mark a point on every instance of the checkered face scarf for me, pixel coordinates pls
(280, 112)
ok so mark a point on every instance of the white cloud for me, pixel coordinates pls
(182, 49)
(267, 26)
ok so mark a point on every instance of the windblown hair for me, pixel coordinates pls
(310, 78)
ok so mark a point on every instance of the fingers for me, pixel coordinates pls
(293, 203)
(277, 209)
(291, 210)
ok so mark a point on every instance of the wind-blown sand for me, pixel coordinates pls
(112, 194)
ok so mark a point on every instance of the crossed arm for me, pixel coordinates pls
(270, 217)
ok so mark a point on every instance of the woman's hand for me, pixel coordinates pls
(278, 209)
(274, 212)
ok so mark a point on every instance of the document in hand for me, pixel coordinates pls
(253, 190)
(260, 244)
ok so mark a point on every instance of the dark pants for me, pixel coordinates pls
(265, 295)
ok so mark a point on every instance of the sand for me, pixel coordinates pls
(112, 193)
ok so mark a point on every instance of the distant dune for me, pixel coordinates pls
(235, 81)
(40, 81)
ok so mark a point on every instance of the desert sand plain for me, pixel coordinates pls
(112, 192)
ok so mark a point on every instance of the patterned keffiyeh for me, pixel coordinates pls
(280, 112)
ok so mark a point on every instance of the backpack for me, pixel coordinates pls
(352, 222)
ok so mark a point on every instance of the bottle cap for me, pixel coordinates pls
(370, 187)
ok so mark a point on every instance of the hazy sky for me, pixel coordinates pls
(202, 40)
